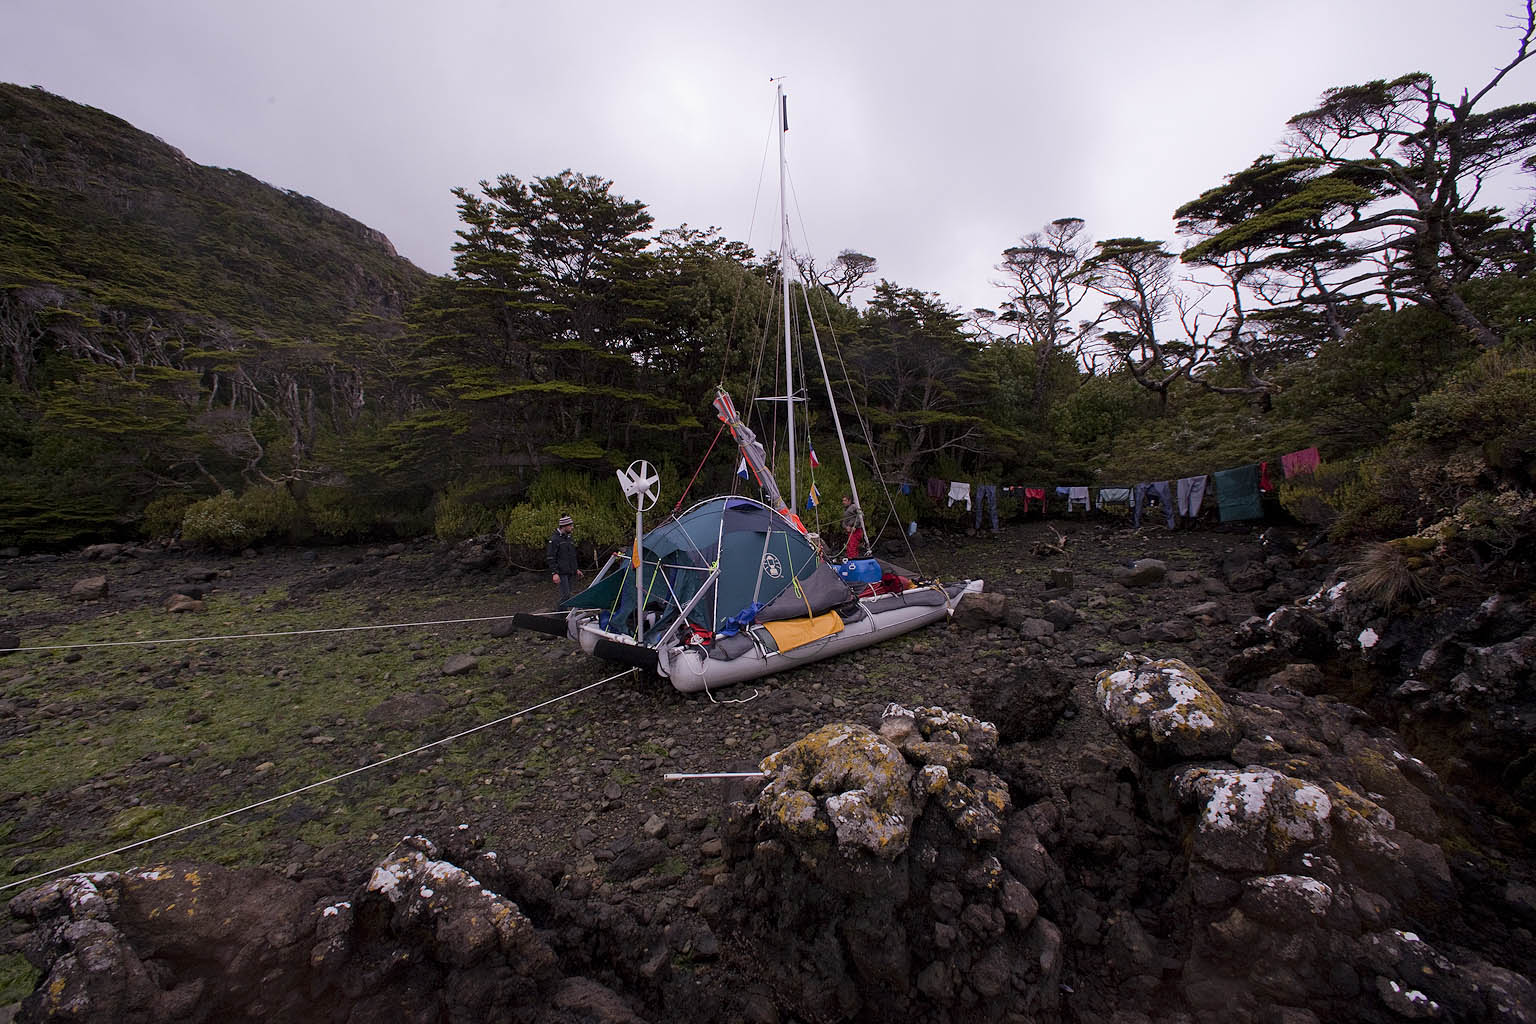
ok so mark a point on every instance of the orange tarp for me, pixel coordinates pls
(792, 633)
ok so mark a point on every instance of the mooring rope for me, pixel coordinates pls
(313, 785)
(253, 636)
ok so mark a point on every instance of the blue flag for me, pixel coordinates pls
(741, 470)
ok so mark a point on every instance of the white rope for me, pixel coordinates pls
(313, 785)
(254, 636)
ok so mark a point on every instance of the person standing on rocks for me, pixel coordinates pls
(853, 524)
(560, 556)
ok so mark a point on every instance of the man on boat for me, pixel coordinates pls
(560, 556)
(853, 524)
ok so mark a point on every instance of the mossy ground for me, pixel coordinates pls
(113, 745)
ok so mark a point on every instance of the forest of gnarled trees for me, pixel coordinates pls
(187, 351)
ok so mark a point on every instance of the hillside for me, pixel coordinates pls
(168, 326)
(110, 215)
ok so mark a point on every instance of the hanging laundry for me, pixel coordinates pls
(986, 494)
(1304, 461)
(1264, 482)
(1154, 490)
(960, 492)
(906, 488)
(1191, 492)
(1114, 496)
(1237, 493)
(936, 488)
(1076, 496)
(1034, 494)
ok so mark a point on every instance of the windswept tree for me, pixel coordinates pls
(919, 375)
(537, 336)
(1377, 199)
(1044, 286)
(1167, 327)
(846, 274)
(1135, 277)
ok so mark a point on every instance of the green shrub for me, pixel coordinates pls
(1495, 521)
(17, 978)
(470, 508)
(527, 530)
(603, 518)
(215, 522)
(269, 512)
(162, 516)
(230, 523)
(1315, 497)
(336, 514)
(1378, 501)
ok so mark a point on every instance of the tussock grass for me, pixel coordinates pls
(1387, 575)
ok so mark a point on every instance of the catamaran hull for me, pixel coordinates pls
(690, 669)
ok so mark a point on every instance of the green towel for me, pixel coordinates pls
(1237, 492)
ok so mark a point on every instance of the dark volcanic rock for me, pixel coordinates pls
(859, 932)
(1026, 702)
(203, 943)
(1143, 572)
(979, 611)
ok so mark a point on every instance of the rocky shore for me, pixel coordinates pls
(1183, 777)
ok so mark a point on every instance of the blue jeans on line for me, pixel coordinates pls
(986, 494)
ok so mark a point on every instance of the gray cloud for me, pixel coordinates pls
(930, 138)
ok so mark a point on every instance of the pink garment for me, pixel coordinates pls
(1034, 494)
(1304, 461)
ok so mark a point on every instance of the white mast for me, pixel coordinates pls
(789, 365)
(837, 421)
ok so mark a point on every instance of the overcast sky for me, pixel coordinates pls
(928, 135)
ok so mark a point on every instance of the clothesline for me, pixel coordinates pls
(1238, 490)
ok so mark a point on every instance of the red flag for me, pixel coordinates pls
(815, 462)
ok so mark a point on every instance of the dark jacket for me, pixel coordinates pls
(560, 554)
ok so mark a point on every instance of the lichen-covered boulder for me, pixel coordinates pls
(1253, 820)
(107, 943)
(843, 781)
(469, 920)
(975, 805)
(919, 915)
(1287, 902)
(935, 736)
(424, 938)
(1164, 710)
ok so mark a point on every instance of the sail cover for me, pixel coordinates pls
(721, 558)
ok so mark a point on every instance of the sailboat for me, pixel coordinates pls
(736, 588)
